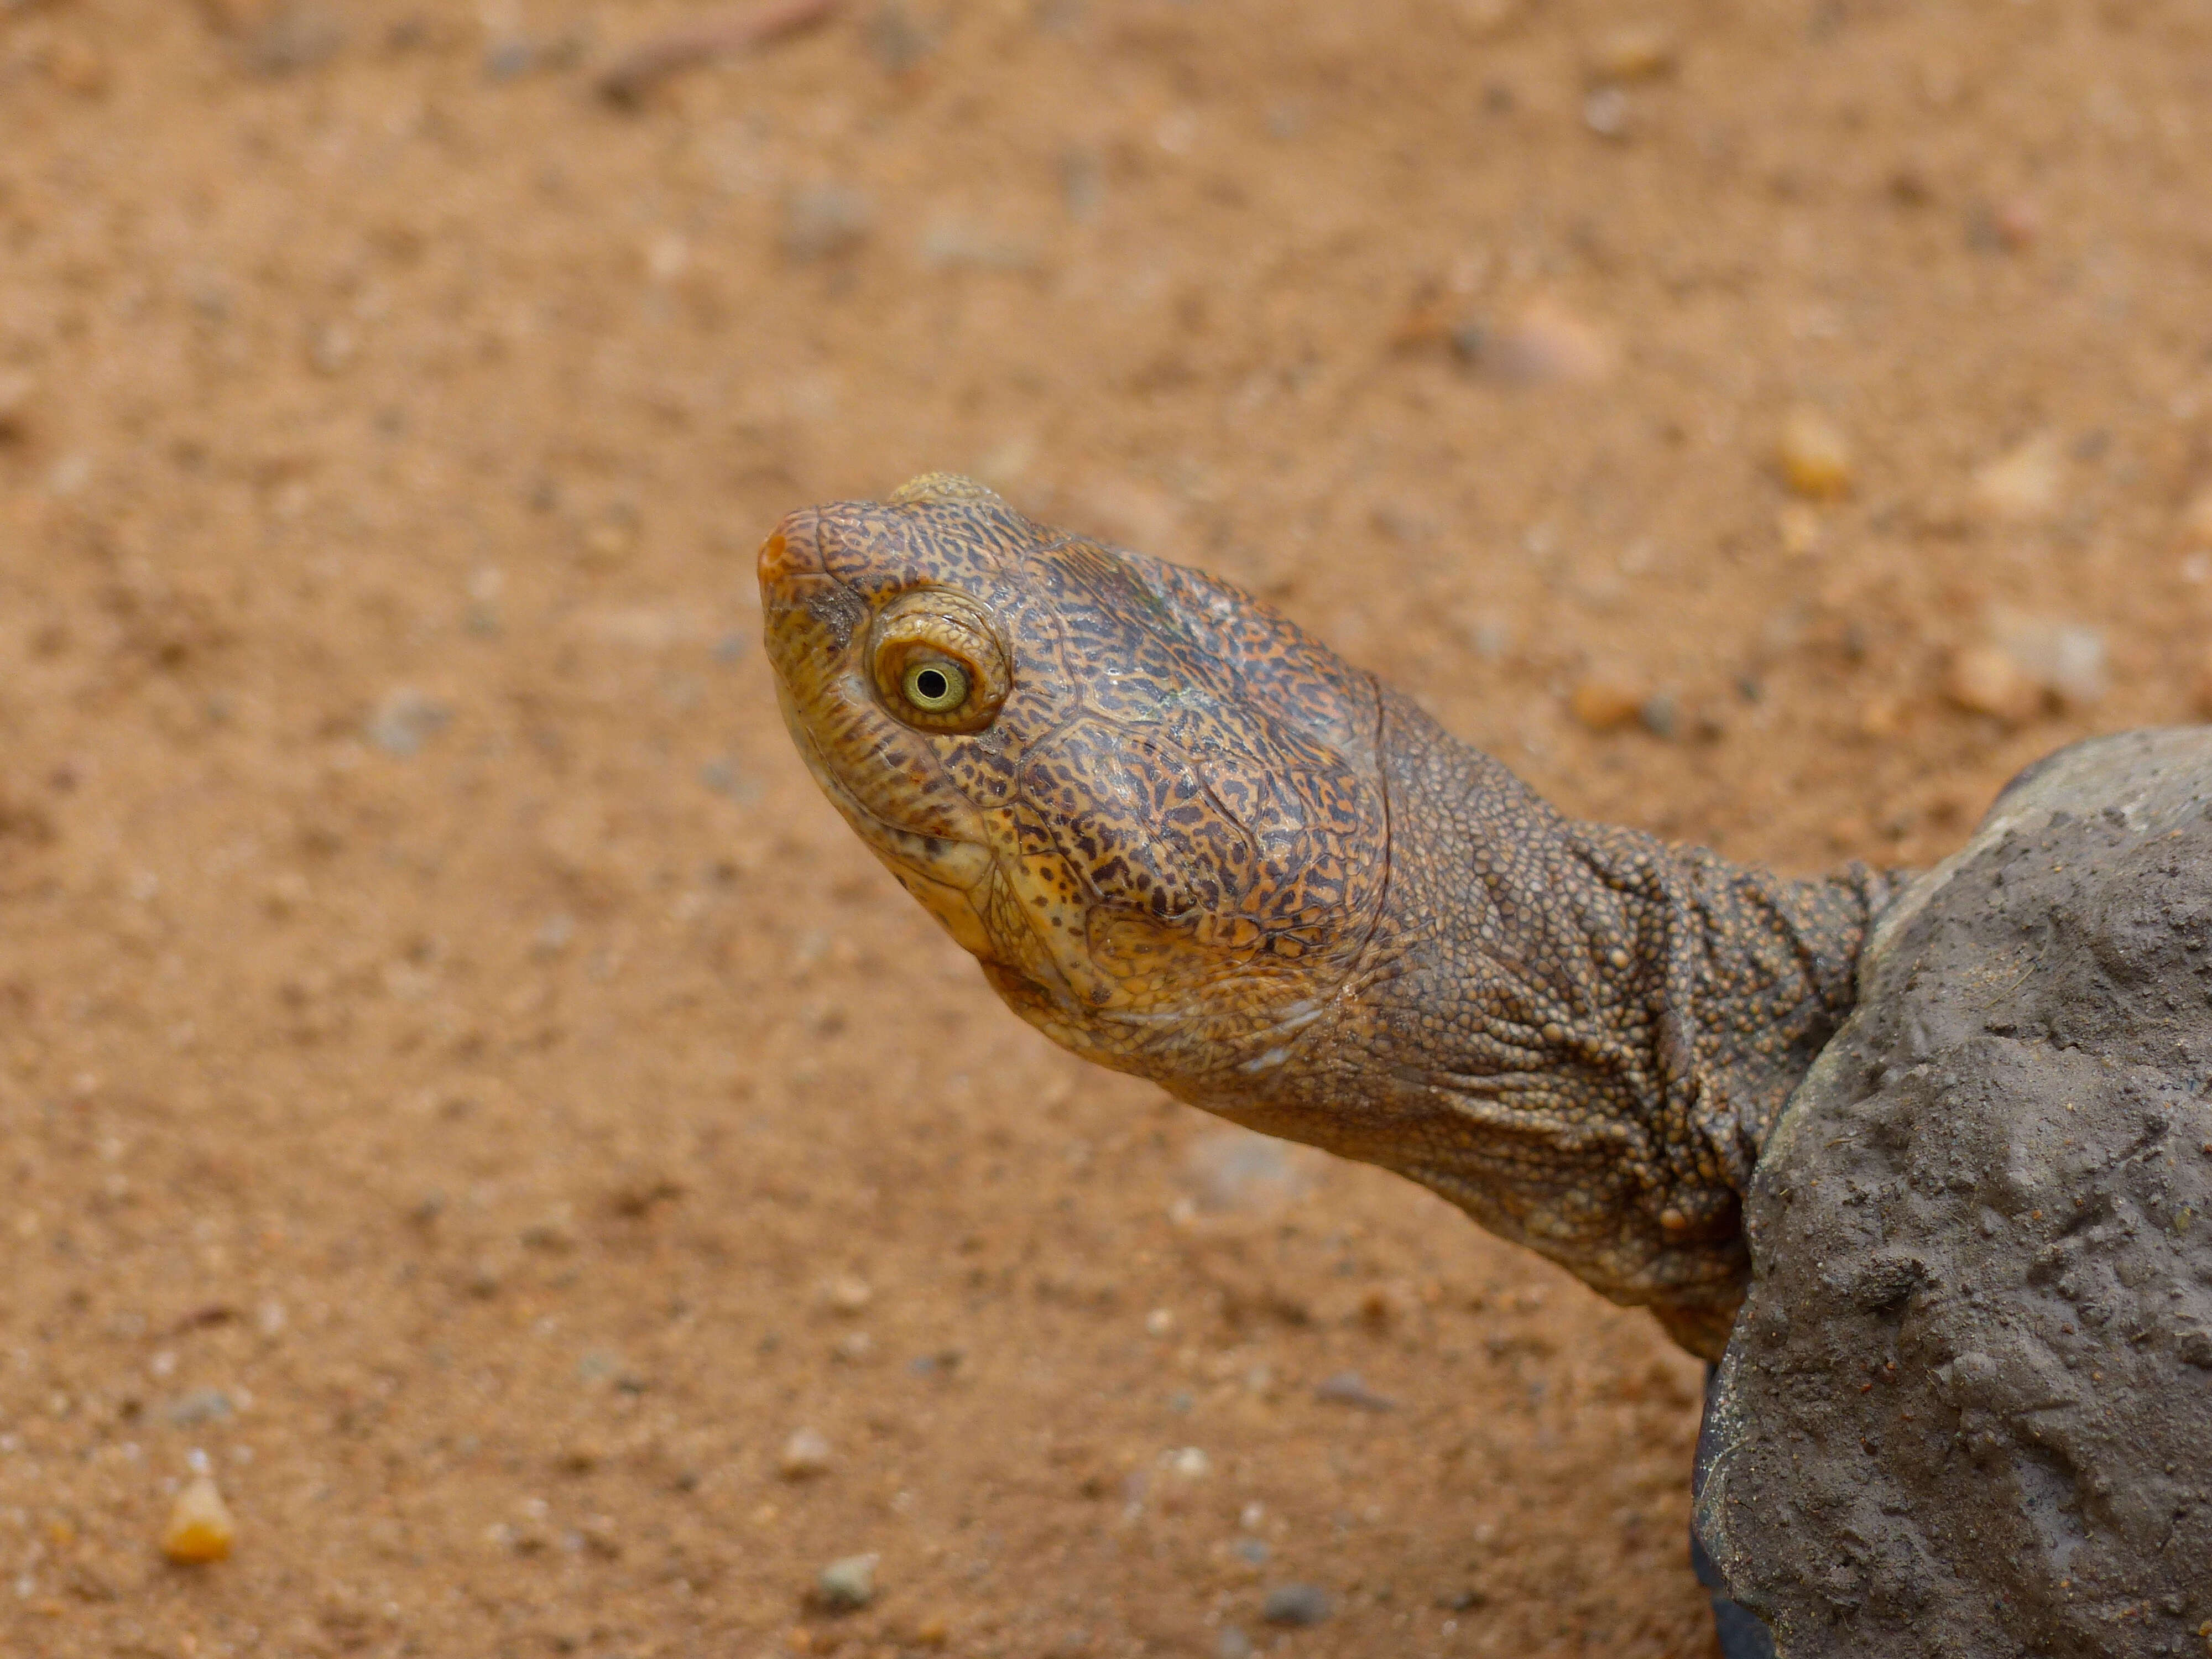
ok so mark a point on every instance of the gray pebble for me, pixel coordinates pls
(1238, 1172)
(1605, 113)
(847, 1585)
(1082, 183)
(199, 1406)
(898, 38)
(294, 37)
(405, 720)
(1297, 1605)
(724, 778)
(1346, 1388)
(823, 221)
(1232, 1643)
(516, 55)
(508, 59)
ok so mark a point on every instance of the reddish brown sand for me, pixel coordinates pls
(454, 1063)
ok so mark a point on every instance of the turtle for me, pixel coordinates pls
(1920, 1164)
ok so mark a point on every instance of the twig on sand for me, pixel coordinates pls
(722, 32)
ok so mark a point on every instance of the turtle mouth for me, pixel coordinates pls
(953, 878)
(950, 860)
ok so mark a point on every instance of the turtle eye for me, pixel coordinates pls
(939, 666)
(935, 688)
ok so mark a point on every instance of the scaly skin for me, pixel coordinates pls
(1185, 840)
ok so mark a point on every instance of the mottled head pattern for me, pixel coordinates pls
(1148, 804)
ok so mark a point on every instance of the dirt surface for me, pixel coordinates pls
(463, 1085)
(1968, 1408)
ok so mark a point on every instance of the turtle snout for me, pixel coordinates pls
(792, 550)
(809, 616)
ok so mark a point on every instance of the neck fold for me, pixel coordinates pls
(1576, 1033)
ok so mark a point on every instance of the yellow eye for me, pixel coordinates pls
(940, 665)
(934, 686)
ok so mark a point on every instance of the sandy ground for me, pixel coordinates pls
(463, 1088)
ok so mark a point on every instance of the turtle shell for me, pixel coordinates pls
(1968, 1407)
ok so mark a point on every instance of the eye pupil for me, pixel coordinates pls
(935, 687)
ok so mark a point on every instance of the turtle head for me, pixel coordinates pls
(1147, 805)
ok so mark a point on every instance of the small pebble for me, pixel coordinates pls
(1346, 1388)
(405, 720)
(2023, 486)
(1603, 704)
(200, 1528)
(1605, 113)
(822, 221)
(1381, 1306)
(952, 244)
(609, 539)
(804, 1455)
(2065, 659)
(897, 39)
(1797, 528)
(330, 347)
(509, 59)
(847, 1295)
(1296, 1605)
(1881, 716)
(1983, 680)
(1908, 187)
(1190, 1463)
(2012, 225)
(1235, 1171)
(1232, 1643)
(1814, 454)
(1082, 183)
(1544, 345)
(1631, 52)
(288, 38)
(846, 1585)
(200, 1406)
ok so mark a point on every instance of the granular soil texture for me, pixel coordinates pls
(460, 1085)
(1968, 1410)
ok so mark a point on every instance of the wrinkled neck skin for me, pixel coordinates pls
(1579, 1035)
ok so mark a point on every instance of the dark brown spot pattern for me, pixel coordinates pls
(1194, 844)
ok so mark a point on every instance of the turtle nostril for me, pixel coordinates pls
(772, 553)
